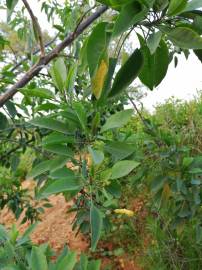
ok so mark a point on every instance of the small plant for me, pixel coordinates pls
(18, 252)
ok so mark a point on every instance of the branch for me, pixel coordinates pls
(36, 27)
(50, 56)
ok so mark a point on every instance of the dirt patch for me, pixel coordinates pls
(55, 226)
(56, 229)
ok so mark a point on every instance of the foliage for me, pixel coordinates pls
(71, 112)
(18, 252)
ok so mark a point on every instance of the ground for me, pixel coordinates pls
(56, 229)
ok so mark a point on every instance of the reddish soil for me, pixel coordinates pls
(55, 226)
(56, 229)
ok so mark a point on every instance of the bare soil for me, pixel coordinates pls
(56, 229)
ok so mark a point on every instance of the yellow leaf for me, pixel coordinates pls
(99, 79)
(124, 211)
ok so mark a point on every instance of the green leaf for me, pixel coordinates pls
(39, 169)
(160, 5)
(119, 150)
(185, 38)
(59, 186)
(155, 65)
(71, 78)
(37, 92)
(117, 120)
(127, 73)
(46, 107)
(26, 235)
(198, 53)
(38, 259)
(94, 265)
(96, 222)
(107, 84)
(123, 168)
(3, 121)
(57, 138)
(11, 108)
(115, 4)
(114, 188)
(96, 46)
(58, 73)
(59, 149)
(193, 5)
(58, 163)
(49, 123)
(197, 24)
(62, 173)
(153, 41)
(158, 183)
(81, 114)
(10, 5)
(176, 7)
(130, 14)
(96, 155)
(68, 262)
(3, 233)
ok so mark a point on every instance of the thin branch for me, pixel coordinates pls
(82, 17)
(50, 56)
(136, 108)
(36, 27)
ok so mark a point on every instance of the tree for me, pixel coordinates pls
(73, 96)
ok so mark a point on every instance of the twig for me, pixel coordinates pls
(50, 56)
(36, 27)
(136, 108)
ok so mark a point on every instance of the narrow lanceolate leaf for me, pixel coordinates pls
(58, 73)
(107, 84)
(38, 92)
(96, 222)
(185, 38)
(60, 185)
(81, 114)
(69, 84)
(153, 41)
(130, 14)
(96, 46)
(49, 123)
(123, 168)
(176, 7)
(155, 65)
(99, 79)
(3, 121)
(117, 120)
(127, 73)
(38, 259)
